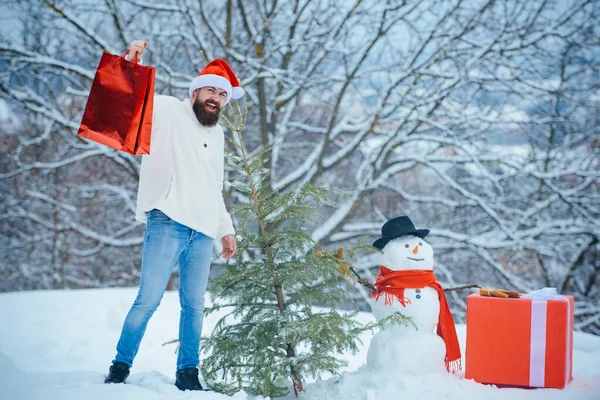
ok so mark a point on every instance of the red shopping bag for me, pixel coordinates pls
(118, 112)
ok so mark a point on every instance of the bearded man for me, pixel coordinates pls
(180, 199)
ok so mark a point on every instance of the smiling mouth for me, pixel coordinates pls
(416, 259)
(211, 106)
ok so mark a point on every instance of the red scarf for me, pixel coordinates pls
(392, 284)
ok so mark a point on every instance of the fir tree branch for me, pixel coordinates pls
(248, 305)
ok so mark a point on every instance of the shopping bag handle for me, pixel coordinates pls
(135, 59)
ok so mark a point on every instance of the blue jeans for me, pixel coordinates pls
(165, 243)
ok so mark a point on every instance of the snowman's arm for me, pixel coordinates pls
(361, 280)
(370, 285)
(367, 284)
(461, 288)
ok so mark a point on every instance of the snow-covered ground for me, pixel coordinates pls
(59, 345)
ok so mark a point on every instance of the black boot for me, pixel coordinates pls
(117, 373)
(187, 379)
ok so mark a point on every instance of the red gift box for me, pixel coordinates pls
(520, 342)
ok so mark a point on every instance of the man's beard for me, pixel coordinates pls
(206, 118)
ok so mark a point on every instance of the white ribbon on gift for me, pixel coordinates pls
(537, 354)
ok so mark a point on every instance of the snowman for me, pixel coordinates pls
(406, 284)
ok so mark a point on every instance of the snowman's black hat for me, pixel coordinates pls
(397, 227)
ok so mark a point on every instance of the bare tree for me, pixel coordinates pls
(477, 119)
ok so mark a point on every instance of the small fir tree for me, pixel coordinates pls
(270, 336)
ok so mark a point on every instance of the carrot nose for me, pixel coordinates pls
(416, 249)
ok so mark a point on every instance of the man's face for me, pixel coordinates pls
(207, 103)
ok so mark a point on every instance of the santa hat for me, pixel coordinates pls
(218, 74)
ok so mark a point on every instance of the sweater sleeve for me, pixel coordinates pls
(225, 222)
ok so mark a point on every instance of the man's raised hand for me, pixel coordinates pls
(136, 47)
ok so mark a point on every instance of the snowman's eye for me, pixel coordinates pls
(406, 245)
(420, 244)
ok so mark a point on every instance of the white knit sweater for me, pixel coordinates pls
(183, 174)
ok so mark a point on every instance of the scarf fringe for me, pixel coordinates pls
(454, 366)
(389, 298)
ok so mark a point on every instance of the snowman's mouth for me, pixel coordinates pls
(416, 259)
